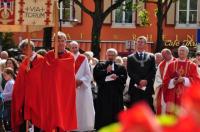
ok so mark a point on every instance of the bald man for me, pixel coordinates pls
(84, 99)
(159, 103)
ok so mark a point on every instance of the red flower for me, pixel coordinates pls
(139, 118)
(189, 118)
(185, 123)
(191, 101)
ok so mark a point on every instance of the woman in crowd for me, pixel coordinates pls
(6, 96)
(12, 63)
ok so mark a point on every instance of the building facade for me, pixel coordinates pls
(122, 26)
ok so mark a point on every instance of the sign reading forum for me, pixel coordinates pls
(34, 12)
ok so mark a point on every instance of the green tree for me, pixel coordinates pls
(98, 16)
(161, 13)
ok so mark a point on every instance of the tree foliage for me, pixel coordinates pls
(161, 13)
(98, 16)
(6, 41)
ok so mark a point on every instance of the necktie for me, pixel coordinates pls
(140, 56)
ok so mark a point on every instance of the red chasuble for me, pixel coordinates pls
(46, 94)
(176, 69)
(59, 107)
(25, 99)
(160, 92)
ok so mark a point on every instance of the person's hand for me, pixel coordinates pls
(109, 68)
(178, 80)
(114, 76)
(78, 83)
(181, 79)
(143, 83)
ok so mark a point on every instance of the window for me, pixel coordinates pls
(66, 12)
(124, 15)
(187, 13)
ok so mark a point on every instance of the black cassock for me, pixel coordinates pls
(141, 69)
(110, 94)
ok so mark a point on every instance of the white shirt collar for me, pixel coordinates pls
(140, 52)
(33, 56)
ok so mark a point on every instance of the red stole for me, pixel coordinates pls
(78, 62)
(160, 92)
(162, 67)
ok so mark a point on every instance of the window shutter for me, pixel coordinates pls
(78, 12)
(141, 7)
(170, 20)
(106, 4)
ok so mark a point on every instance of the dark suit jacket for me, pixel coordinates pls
(138, 72)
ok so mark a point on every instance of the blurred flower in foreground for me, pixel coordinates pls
(188, 119)
(191, 102)
(116, 127)
(139, 118)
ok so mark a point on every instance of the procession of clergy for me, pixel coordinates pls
(75, 92)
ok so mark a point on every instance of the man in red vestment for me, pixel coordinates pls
(159, 103)
(180, 74)
(44, 92)
(26, 88)
(61, 88)
(62, 52)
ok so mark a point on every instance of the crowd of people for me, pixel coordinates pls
(101, 88)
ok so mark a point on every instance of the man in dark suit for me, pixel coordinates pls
(110, 78)
(141, 69)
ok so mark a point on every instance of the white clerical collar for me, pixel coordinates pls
(76, 55)
(33, 56)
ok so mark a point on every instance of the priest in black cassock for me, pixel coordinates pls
(141, 69)
(110, 78)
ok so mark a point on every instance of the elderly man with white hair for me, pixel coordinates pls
(158, 58)
(180, 74)
(110, 78)
(84, 99)
(159, 103)
(4, 55)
